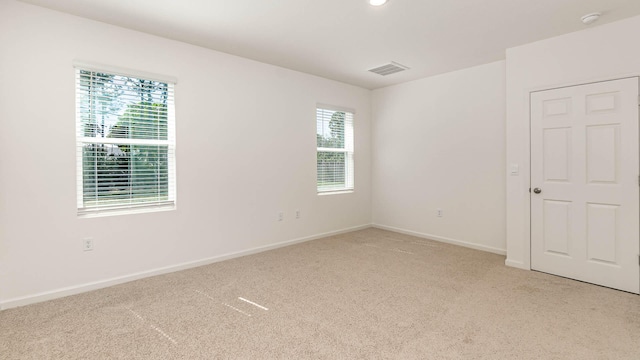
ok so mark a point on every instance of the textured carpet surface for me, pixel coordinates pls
(370, 294)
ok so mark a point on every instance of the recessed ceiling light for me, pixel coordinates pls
(377, 2)
(590, 18)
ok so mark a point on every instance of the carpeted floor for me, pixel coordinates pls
(370, 294)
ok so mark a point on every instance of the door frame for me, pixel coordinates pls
(526, 167)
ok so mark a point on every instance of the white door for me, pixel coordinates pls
(585, 183)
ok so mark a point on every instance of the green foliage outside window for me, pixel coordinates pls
(135, 110)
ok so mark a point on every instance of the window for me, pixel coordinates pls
(125, 136)
(334, 137)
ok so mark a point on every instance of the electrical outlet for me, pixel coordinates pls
(280, 216)
(87, 244)
(297, 214)
(439, 212)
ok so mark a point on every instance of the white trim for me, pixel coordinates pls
(443, 239)
(584, 83)
(516, 264)
(335, 192)
(526, 160)
(124, 141)
(125, 209)
(77, 289)
(581, 82)
(339, 150)
(103, 208)
(116, 70)
(335, 108)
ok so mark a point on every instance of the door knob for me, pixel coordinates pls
(537, 190)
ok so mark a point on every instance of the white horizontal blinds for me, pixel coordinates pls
(334, 137)
(125, 132)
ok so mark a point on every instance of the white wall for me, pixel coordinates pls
(599, 53)
(439, 143)
(245, 150)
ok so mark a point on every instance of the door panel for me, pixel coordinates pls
(585, 160)
(557, 227)
(602, 102)
(557, 147)
(603, 154)
(602, 230)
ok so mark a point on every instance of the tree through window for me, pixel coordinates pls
(125, 141)
(334, 139)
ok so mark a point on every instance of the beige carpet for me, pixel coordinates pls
(370, 294)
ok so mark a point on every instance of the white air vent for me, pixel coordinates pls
(388, 69)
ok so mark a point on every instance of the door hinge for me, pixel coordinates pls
(638, 183)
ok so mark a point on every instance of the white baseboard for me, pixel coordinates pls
(443, 239)
(77, 289)
(516, 264)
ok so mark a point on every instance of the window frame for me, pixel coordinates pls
(348, 150)
(130, 207)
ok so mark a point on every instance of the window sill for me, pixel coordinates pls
(124, 211)
(336, 192)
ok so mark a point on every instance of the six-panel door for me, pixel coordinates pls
(585, 162)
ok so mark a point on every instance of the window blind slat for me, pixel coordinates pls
(125, 142)
(334, 138)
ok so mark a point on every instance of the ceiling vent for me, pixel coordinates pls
(388, 69)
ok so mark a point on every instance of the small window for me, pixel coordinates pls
(334, 137)
(125, 136)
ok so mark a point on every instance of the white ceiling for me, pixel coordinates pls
(342, 39)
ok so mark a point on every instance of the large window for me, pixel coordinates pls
(334, 137)
(125, 137)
